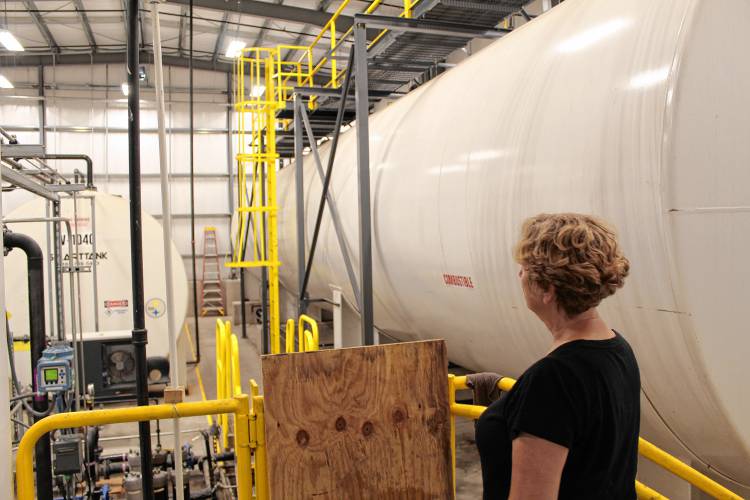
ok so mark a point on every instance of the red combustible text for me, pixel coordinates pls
(459, 281)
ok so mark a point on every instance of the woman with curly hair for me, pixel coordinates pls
(569, 427)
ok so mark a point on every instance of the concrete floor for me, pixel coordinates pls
(468, 472)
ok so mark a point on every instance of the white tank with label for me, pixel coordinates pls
(109, 231)
(637, 111)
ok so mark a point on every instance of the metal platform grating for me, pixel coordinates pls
(405, 59)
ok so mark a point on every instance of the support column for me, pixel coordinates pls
(299, 190)
(363, 177)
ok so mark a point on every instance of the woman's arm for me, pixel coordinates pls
(537, 468)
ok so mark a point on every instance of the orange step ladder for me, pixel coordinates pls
(212, 288)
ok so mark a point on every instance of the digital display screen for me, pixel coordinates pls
(50, 375)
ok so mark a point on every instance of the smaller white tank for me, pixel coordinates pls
(109, 229)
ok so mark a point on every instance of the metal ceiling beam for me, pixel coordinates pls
(181, 35)
(85, 22)
(220, 38)
(258, 8)
(146, 57)
(141, 8)
(41, 25)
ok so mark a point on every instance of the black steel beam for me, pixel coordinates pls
(258, 8)
(85, 23)
(41, 25)
(108, 58)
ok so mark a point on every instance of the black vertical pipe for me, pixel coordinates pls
(35, 266)
(264, 329)
(243, 299)
(192, 200)
(140, 335)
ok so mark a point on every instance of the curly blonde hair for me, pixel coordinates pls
(577, 254)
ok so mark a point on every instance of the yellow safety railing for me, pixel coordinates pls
(228, 382)
(309, 337)
(257, 76)
(238, 405)
(646, 449)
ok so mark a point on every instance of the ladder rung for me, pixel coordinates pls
(258, 209)
(259, 263)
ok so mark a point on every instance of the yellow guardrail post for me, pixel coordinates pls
(333, 54)
(261, 459)
(221, 369)
(242, 447)
(308, 339)
(290, 335)
(407, 8)
(236, 380)
(25, 454)
(451, 403)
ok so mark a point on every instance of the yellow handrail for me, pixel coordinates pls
(239, 406)
(289, 335)
(646, 449)
(308, 339)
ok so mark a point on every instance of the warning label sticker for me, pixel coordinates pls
(458, 281)
(115, 306)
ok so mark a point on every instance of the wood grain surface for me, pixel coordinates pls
(359, 423)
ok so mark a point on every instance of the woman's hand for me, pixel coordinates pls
(537, 468)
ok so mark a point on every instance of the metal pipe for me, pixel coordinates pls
(86, 158)
(57, 261)
(10, 138)
(94, 264)
(166, 210)
(35, 266)
(50, 286)
(77, 326)
(299, 189)
(243, 299)
(192, 198)
(363, 191)
(25, 455)
(327, 180)
(140, 334)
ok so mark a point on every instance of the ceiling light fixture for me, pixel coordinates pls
(234, 48)
(5, 83)
(10, 42)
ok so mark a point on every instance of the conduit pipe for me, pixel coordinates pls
(140, 334)
(35, 266)
(166, 224)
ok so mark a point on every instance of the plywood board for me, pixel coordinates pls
(359, 423)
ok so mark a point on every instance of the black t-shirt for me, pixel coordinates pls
(585, 396)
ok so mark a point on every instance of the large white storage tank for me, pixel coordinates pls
(110, 229)
(637, 111)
